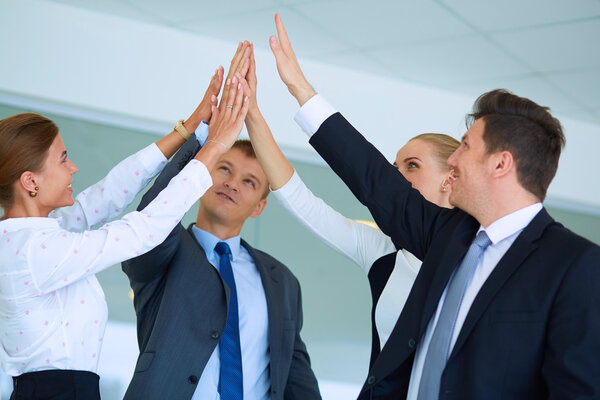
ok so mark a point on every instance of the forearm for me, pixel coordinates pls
(361, 243)
(276, 166)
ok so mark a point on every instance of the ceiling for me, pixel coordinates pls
(545, 50)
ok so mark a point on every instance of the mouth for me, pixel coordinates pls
(226, 197)
(70, 187)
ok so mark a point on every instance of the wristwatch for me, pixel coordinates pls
(181, 129)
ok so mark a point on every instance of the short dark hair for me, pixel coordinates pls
(527, 130)
(245, 146)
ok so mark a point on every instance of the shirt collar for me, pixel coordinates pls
(511, 223)
(208, 241)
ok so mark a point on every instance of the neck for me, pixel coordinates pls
(219, 229)
(23, 210)
(504, 203)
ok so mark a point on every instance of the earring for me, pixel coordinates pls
(443, 188)
(33, 194)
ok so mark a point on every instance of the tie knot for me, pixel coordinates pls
(222, 248)
(482, 240)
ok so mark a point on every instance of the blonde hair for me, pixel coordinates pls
(444, 145)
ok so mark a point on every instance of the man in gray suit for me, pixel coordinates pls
(195, 341)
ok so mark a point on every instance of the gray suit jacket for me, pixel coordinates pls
(181, 305)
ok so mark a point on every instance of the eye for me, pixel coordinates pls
(224, 168)
(250, 182)
(412, 164)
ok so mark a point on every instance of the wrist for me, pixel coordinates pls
(303, 93)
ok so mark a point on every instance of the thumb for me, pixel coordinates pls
(275, 47)
(214, 115)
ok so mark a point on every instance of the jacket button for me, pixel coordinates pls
(215, 335)
(371, 380)
(193, 379)
(411, 343)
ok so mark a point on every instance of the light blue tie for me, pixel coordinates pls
(231, 386)
(439, 347)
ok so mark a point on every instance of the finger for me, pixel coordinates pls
(238, 60)
(282, 35)
(231, 95)
(234, 60)
(225, 95)
(276, 48)
(243, 112)
(215, 114)
(251, 74)
(219, 80)
(245, 65)
(239, 97)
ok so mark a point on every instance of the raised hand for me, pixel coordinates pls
(226, 124)
(204, 110)
(288, 66)
(239, 63)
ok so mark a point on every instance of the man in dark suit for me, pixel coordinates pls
(197, 327)
(506, 304)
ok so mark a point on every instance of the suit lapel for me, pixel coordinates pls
(424, 298)
(270, 276)
(523, 245)
(443, 267)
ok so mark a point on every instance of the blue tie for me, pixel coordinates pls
(231, 385)
(439, 347)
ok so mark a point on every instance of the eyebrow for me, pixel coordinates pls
(412, 158)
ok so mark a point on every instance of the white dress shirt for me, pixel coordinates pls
(52, 309)
(253, 320)
(502, 234)
(361, 243)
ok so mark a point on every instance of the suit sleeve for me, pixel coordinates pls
(571, 365)
(398, 209)
(154, 263)
(302, 383)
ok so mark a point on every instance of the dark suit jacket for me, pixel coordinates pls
(533, 331)
(181, 304)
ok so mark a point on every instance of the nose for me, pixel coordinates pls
(73, 168)
(230, 184)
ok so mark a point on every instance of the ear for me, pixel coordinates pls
(502, 163)
(259, 208)
(446, 186)
(27, 181)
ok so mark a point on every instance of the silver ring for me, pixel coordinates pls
(229, 106)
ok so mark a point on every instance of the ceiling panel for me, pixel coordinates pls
(555, 48)
(510, 14)
(378, 23)
(535, 88)
(114, 7)
(584, 86)
(200, 11)
(449, 62)
(308, 40)
(357, 60)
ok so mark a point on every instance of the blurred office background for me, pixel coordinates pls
(116, 74)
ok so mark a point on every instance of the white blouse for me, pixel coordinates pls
(359, 242)
(52, 309)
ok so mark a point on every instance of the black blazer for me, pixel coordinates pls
(181, 305)
(533, 331)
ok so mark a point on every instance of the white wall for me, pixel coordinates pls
(124, 70)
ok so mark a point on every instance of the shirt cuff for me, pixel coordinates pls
(313, 113)
(151, 158)
(202, 133)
